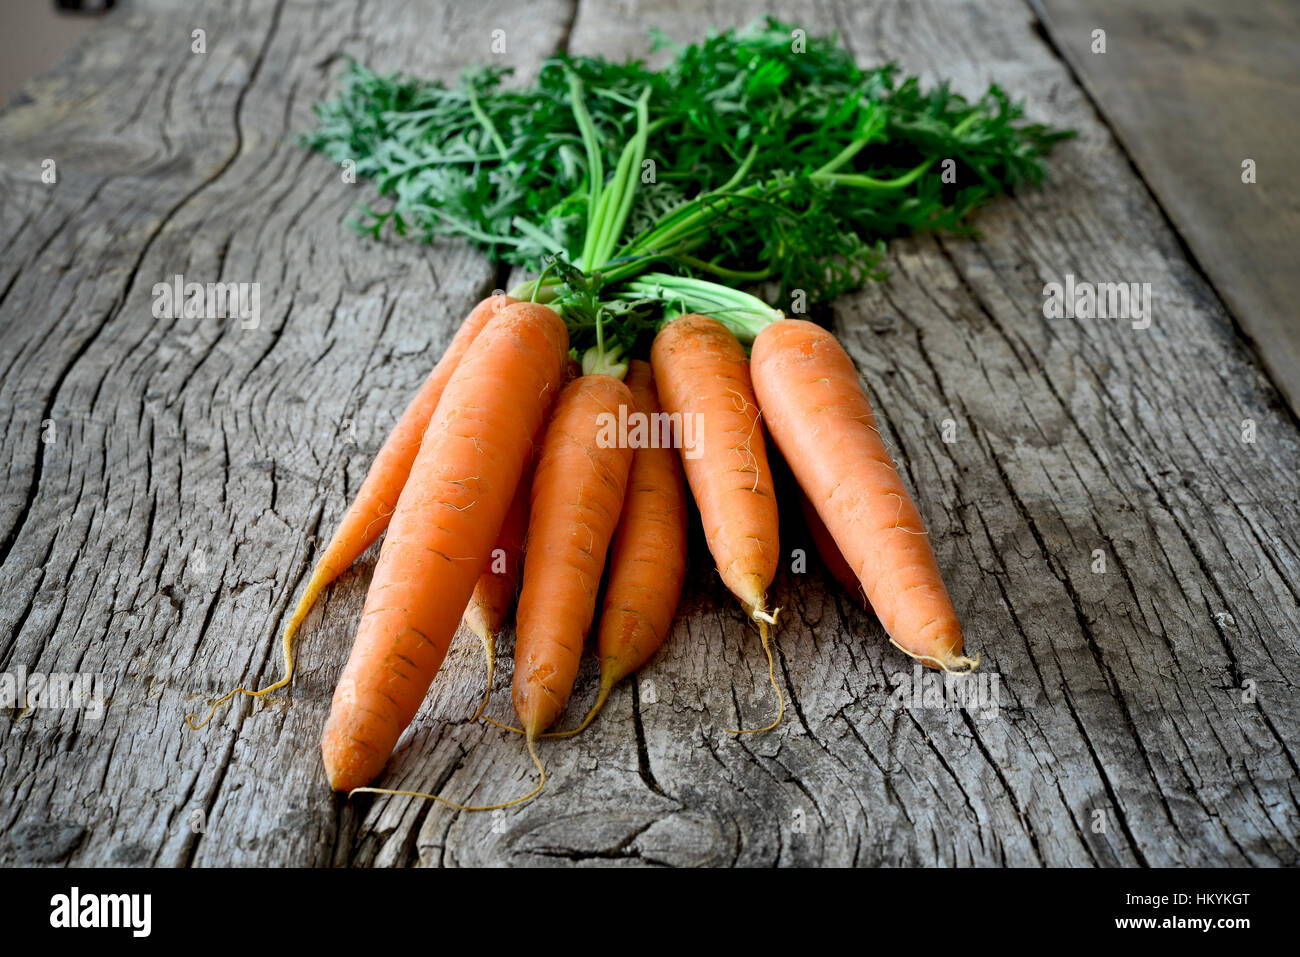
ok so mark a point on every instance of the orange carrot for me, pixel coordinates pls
(577, 496)
(447, 519)
(702, 372)
(371, 510)
(830, 553)
(820, 419)
(647, 564)
(498, 585)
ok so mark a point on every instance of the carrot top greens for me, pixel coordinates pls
(745, 159)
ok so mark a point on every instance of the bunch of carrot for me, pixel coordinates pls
(503, 479)
(456, 503)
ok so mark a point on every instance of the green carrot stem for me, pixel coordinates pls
(486, 123)
(743, 314)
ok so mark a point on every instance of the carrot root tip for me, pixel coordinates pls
(504, 727)
(959, 665)
(601, 698)
(771, 676)
(212, 712)
(490, 658)
(393, 792)
(305, 605)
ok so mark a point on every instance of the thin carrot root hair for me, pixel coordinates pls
(490, 659)
(766, 621)
(601, 698)
(961, 665)
(889, 446)
(741, 403)
(911, 531)
(322, 577)
(537, 763)
(380, 517)
(286, 647)
(504, 727)
(750, 459)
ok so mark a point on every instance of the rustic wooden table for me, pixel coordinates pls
(1116, 512)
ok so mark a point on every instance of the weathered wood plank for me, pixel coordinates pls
(1193, 89)
(1121, 691)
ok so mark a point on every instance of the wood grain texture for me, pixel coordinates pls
(1193, 88)
(196, 467)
